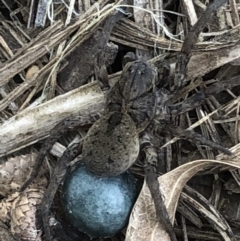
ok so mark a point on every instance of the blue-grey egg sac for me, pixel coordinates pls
(98, 206)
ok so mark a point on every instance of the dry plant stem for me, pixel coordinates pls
(83, 5)
(213, 104)
(234, 9)
(36, 49)
(189, 213)
(32, 13)
(129, 33)
(138, 37)
(191, 13)
(143, 18)
(197, 145)
(205, 134)
(4, 90)
(72, 151)
(200, 235)
(18, 91)
(201, 204)
(210, 60)
(15, 135)
(32, 125)
(216, 193)
(41, 14)
(184, 228)
(39, 48)
(53, 82)
(5, 47)
(33, 92)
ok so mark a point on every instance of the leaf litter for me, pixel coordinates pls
(32, 57)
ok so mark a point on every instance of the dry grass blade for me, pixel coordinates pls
(45, 42)
(143, 224)
(30, 53)
(209, 212)
(6, 148)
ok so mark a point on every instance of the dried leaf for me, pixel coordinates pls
(143, 224)
(23, 223)
(20, 208)
(14, 172)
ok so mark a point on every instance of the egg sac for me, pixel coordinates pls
(98, 206)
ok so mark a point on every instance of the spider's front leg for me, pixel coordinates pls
(190, 135)
(187, 105)
(153, 184)
(165, 114)
(72, 151)
(55, 134)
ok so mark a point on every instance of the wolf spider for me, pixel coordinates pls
(136, 112)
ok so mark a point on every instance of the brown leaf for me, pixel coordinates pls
(15, 171)
(143, 224)
(5, 207)
(23, 212)
(20, 208)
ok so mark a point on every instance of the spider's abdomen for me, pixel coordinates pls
(111, 145)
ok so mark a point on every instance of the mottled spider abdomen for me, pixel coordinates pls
(111, 145)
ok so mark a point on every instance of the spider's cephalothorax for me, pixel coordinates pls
(112, 143)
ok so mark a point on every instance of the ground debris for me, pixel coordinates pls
(51, 52)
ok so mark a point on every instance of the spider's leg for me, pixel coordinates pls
(190, 135)
(72, 151)
(187, 105)
(219, 86)
(153, 185)
(190, 42)
(55, 134)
